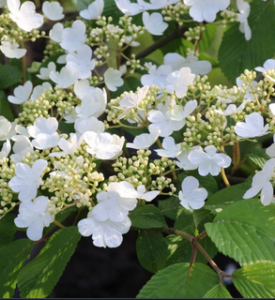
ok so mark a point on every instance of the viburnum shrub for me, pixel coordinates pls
(120, 128)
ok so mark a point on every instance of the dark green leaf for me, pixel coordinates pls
(170, 207)
(131, 83)
(7, 229)
(178, 281)
(12, 257)
(151, 250)
(218, 291)
(9, 76)
(147, 216)
(38, 278)
(236, 54)
(258, 157)
(256, 280)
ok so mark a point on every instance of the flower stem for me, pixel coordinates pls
(225, 180)
(58, 224)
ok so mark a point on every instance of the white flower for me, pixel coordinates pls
(128, 8)
(65, 78)
(27, 179)
(3, 3)
(35, 217)
(178, 81)
(52, 10)
(268, 65)
(184, 162)
(179, 113)
(68, 147)
(156, 76)
(191, 196)
(206, 10)
(44, 133)
(7, 129)
(5, 149)
(93, 11)
(144, 140)
(147, 196)
(170, 148)
(129, 40)
(81, 61)
(75, 37)
(82, 88)
(12, 50)
(209, 162)
(132, 100)
(104, 145)
(39, 89)
(252, 127)
(88, 124)
(244, 9)
(45, 72)
(261, 182)
(198, 67)
(93, 104)
(112, 79)
(233, 109)
(154, 23)
(56, 33)
(104, 234)
(21, 93)
(24, 16)
(21, 147)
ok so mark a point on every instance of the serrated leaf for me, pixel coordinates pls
(256, 280)
(176, 282)
(9, 75)
(227, 196)
(245, 231)
(7, 229)
(38, 278)
(258, 157)
(151, 250)
(12, 257)
(169, 207)
(218, 291)
(147, 216)
(252, 53)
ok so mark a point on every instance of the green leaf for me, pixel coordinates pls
(170, 207)
(217, 291)
(256, 280)
(227, 196)
(147, 216)
(245, 231)
(12, 257)
(38, 278)
(9, 76)
(151, 250)
(252, 53)
(178, 281)
(7, 229)
(258, 157)
(111, 10)
(131, 83)
(208, 37)
(81, 4)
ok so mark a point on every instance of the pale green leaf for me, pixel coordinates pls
(38, 278)
(256, 280)
(178, 281)
(12, 257)
(245, 231)
(258, 157)
(151, 250)
(218, 291)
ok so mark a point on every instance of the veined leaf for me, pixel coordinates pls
(256, 280)
(252, 53)
(151, 250)
(9, 75)
(12, 257)
(169, 207)
(38, 278)
(218, 291)
(245, 231)
(258, 157)
(178, 281)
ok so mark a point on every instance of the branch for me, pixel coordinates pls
(177, 33)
